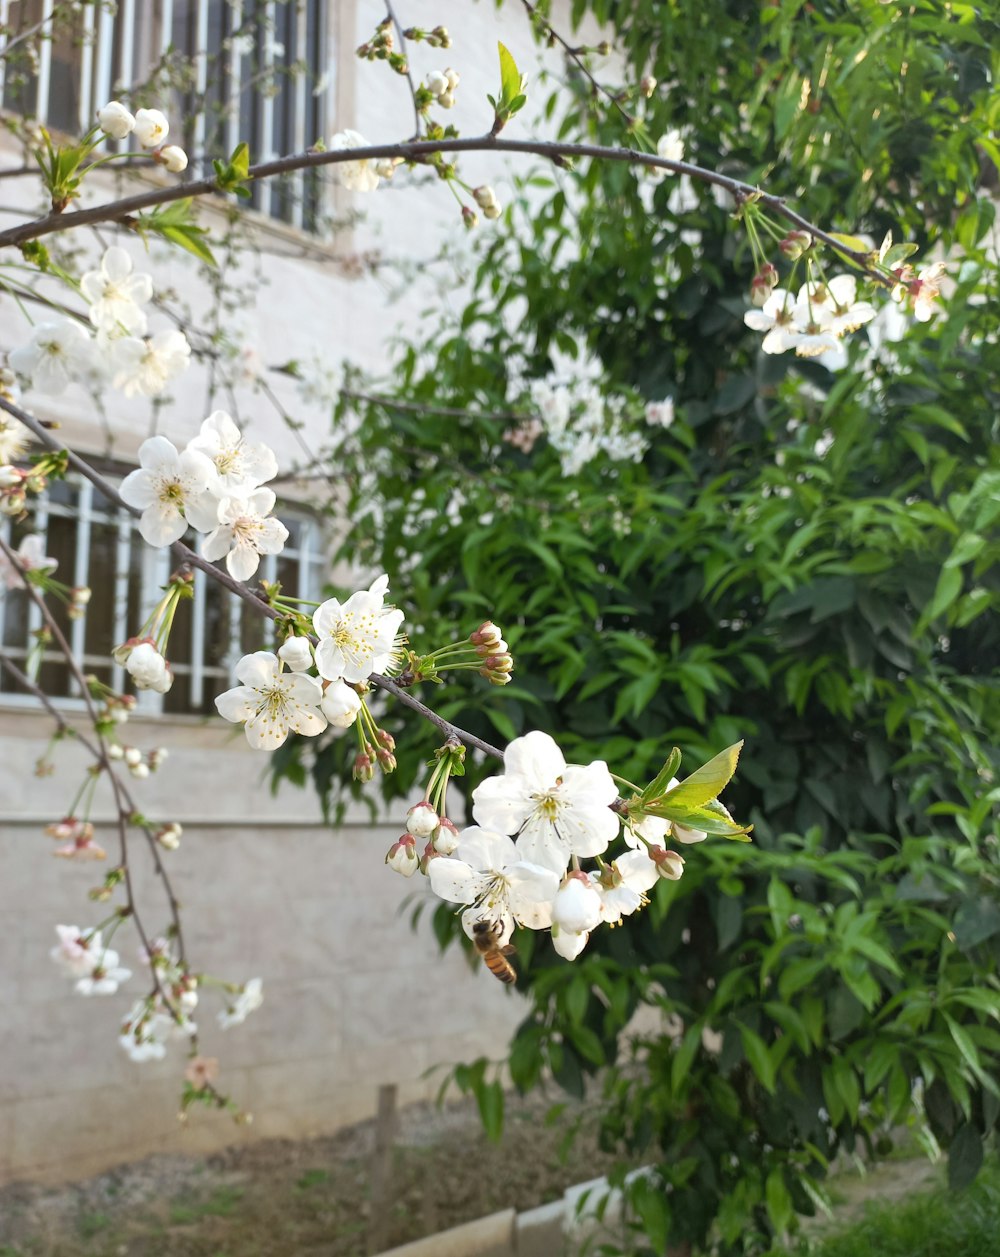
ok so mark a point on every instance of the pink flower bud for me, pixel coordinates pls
(402, 856)
(763, 284)
(795, 244)
(668, 863)
(445, 837)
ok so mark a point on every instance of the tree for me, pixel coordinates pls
(805, 558)
(701, 596)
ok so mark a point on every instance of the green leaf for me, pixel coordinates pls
(705, 783)
(759, 1057)
(489, 1097)
(965, 1156)
(663, 778)
(510, 77)
(174, 222)
(779, 1200)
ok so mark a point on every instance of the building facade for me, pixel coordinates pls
(354, 997)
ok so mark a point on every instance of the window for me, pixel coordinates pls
(227, 70)
(97, 544)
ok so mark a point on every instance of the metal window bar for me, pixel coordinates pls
(200, 54)
(105, 47)
(81, 562)
(87, 39)
(4, 19)
(44, 67)
(234, 66)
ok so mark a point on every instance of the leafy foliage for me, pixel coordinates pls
(830, 601)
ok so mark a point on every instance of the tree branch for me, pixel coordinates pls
(193, 559)
(122, 210)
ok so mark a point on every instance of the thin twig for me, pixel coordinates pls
(574, 55)
(391, 12)
(193, 559)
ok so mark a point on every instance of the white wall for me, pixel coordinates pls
(353, 997)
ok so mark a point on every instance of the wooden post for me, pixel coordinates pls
(381, 1169)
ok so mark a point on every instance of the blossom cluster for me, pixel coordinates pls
(82, 955)
(114, 348)
(581, 422)
(520, 863)
(814, 320)
(279, 695)
(215, 485)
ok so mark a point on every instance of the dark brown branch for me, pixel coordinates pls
(122, 211)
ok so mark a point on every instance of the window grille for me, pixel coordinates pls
(98, 544)
(255, 71)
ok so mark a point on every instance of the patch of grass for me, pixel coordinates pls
(931, 1224)
(312, 1178)
(222, 1203)
(92, 1224)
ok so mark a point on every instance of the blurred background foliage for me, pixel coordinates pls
(806, 559)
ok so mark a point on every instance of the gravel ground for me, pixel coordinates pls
(284, 1198)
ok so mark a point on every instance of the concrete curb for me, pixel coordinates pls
(541, 1232)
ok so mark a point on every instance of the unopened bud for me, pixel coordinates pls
(486, 634)
(668, 863)
(386, 760)
(470, 218)
(441, 37)
(647, 85)
(364, 768)
(603, 49)
(169, 836)
(795, 244)
(402, 856)
(445, 837)
(422, 820)
(763, 284)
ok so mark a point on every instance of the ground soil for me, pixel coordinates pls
(311, 1198)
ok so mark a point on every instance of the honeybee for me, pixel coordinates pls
(485, 935)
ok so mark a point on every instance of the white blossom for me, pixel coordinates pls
(622, 885)
(660, 414)
(577, 906)
(359, 176)
(671, 148)
(151, 127)
(239, 465)
(148, 366)
(59, 352)
(356, 638)
(271, 703)
(15, 439)
(115, 120)
(245, 532)
(422, 820)
(31, 558)
(105, 977)
(249, 998)
(168, 489)
(488, 873)
(558, 810)
(115, 295)
(77, 953)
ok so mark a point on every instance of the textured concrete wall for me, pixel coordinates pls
(353, 997)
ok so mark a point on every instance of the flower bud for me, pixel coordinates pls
(139, 771)
(296, 653)
(151, 127)
(763, 284)
(10, 477)
(364, 768)
(115, 120)
(422, 820)
(484, 196)
(603, 49)
(647, 85)
(486, 634)
(445, 837)
(402, 856)
(470, 218)
(340, 704)
(133, 756)
(668, 863)
(452, 77)
(173, 157)
(386, 760)
(577, 905)
(436, 83)
(441, 37)
(169, 837)
(795, 244)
